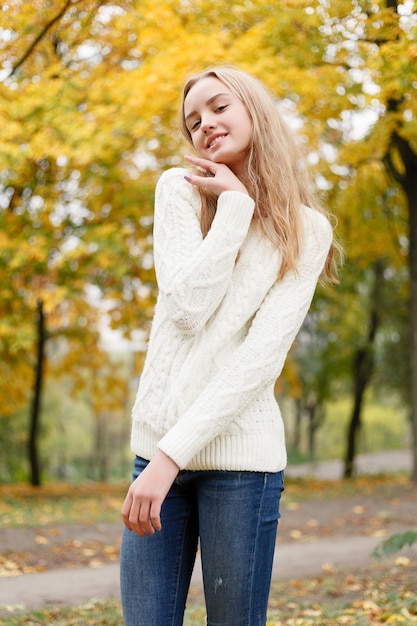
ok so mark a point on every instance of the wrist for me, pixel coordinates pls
(164, 459)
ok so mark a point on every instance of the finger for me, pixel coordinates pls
(144, 521)
(136, 525)
(198, 181)
(155, 515)
(205, 164)
(133, 515)
(125, 511)
(195, 160)
(138, 530)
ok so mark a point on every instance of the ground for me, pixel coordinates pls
(325, 526)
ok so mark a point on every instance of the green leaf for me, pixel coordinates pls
(395, 543)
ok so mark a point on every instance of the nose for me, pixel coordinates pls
(207, 123)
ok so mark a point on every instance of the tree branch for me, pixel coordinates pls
(409, 159)
(387, 160)
(45, 29)
(40, 36)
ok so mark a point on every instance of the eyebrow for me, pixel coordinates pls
(209, 101)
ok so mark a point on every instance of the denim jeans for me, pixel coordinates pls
(235, 517)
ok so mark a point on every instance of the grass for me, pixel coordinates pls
(23, 506)
(375, 596)
(91, 614)
(378, 594)
(385, 426)
(382, 594)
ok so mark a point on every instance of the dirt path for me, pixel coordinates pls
(81, 561)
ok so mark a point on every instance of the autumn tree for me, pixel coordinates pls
(349, 69)
(72, 213)
(89, 96)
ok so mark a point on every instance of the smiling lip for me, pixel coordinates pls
(213, 140)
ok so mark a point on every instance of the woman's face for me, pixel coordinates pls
(219, 124)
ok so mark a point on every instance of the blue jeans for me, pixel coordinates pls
(235, 516)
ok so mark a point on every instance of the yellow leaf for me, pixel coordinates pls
(40, 540)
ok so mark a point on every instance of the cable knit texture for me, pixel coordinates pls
(222, 329)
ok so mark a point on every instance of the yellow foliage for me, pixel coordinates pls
(89, 118)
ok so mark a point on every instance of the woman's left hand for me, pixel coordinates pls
(221, 177)
(141, 510)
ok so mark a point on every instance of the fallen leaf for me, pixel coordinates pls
(41, 540)
(328, 568)
(312, 523)
(293, 506)
(296, 534)
(359, 509)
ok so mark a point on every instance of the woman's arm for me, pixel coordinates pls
(258, 361)
(141, 509)
(193, 273)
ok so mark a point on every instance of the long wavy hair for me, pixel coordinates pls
(276, 179)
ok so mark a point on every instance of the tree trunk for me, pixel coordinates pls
(297, 426)
(361, 376)
(408, 181)
(36, 402)
(315, 419)
(363, 369)
(101, 453)
(410, 189)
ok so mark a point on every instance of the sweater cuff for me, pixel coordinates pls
(235, 210)
(179, 444)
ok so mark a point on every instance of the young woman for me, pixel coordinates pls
(239, 246)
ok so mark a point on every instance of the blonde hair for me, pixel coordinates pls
(276, 177)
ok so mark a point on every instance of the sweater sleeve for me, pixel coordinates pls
(258, 361)
(193, 273)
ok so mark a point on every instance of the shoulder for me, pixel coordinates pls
(316, 225)
(173, 190)
(173, 174)
(175, 195)
(173, 179)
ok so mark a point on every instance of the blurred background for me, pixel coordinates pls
(89, 99)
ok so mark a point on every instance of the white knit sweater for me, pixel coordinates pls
(222, 329)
